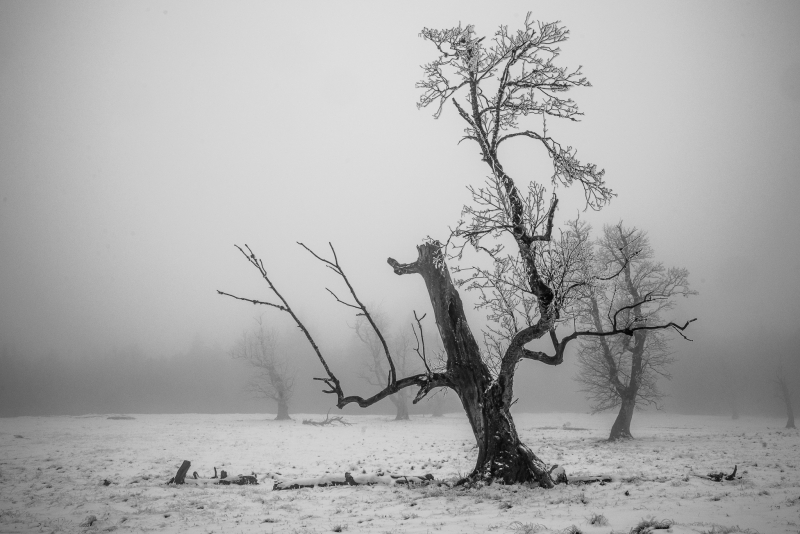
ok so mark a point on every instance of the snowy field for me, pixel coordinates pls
(52, 473)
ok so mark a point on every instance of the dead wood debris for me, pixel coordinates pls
(328, 421)
(559, 476)
(646, 526)
(353, 480)
(720, 476)
(223, 480)
(348, 479)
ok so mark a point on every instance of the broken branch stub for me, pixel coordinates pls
(223, 480)
(180, 476)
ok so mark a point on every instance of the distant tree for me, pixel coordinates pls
(376, 371)
(728, 385)
(273, 377)
(437, 402)
(528, 291)
(623, 370)
(783, 392)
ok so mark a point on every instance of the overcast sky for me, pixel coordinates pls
(140, 140)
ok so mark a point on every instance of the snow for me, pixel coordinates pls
(52, 473)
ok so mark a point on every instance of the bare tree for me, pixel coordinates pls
(623, 370)
(528, 291)
(437, 401)
(784, 394)
(272, 377)
(376, 372)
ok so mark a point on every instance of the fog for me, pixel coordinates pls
(139, 141)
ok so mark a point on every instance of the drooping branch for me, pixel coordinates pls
(560, 346)
(258, 264)
(335, 267)
(567, 169)
(425, 382)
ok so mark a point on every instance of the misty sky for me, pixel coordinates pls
(140, 140)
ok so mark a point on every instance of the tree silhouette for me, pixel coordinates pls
(623, 370)
(272, 376)
(528, 291)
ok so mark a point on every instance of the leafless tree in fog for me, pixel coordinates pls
(783, 392)
(623, 370)
(437, 401)
(527, 278)
(375, 370)
(730, 375)
(272, 377)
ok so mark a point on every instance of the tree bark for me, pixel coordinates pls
(502, 456)
(283, 411)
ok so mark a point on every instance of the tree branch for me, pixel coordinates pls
(334, 265)
(333, 382)
(420, 340)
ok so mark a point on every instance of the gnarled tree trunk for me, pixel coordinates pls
(502, 456)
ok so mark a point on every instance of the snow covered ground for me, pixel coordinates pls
(52, 473)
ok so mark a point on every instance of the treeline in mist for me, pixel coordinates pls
(201, 379)
(725, 378)
(738, 377)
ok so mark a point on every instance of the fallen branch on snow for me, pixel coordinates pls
(559, 476)
(601, 479)
(719, 476)
(328, 421)
(223, 480)
(352, 480)
(326, 480)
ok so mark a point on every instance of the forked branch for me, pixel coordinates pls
(560, 346)
(420, 348)
(335, 267)
(256, 262)
(426, 382)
